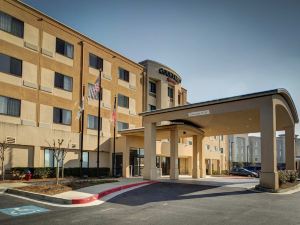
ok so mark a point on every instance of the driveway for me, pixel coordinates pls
(171, 203)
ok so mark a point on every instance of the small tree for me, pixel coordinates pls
(64, 152)
(3, 147)
(57, 153)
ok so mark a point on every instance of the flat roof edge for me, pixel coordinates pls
(281, 91)
(76, 32)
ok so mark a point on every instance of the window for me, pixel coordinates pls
(122, 126)
(222, 138)
(96, 62)
(152, 107)
(64, 48)
(221, 150)
(152, 87)
(48, 158)
(85, 159)
(170, 92)
(216, 148)
(93, 94)
(93, 122)
(10, 65)
(62, 116)
(11, 25)
(123, 101)
(63, 82)
(207, 147)
(123, 74)
(10, 106)
(157, 161)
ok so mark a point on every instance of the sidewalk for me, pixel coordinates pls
(92, 195)
(5, 186)
(91, 191)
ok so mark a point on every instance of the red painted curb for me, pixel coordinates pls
(109, 191)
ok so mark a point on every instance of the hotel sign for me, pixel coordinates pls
(170, 76)
(199, 113)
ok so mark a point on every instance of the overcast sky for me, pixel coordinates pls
(220, 48)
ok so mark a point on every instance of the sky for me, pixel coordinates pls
(220, 48)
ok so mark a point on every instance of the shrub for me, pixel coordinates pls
(293, 175)
(282, 176)
(45, 172)
(19, 172)
(285, 176)
(214, 172)
(42, 173)
(225, 172)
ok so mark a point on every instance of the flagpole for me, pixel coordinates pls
(82, 111)
(99, 122)
(114, 159)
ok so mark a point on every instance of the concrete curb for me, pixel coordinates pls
(261, 189)
(62, 201)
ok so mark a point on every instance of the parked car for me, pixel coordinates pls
(239, 171)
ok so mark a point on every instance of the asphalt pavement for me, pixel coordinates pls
(165, 203)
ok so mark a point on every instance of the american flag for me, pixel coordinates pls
(94, 90)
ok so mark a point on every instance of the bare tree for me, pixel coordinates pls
(63, 156)
(57, 153)
(3, 147)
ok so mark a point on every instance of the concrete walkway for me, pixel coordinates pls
(92, 190)
(5, 186)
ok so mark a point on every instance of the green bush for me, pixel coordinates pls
(47, 172)
(225, 172)
(19, 173)
(214, 172)
(293, 175)
(42, 173)
(285, 176)
(282, 176)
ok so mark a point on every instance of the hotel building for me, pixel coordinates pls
(46, 67)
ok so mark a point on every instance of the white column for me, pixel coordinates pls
(268, 175)
(174, 172)
(196, 156)
(290, 148)
(150, 170)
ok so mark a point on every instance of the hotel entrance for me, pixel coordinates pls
(136, 159)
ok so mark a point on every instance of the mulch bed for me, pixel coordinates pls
(53, 189)
(289, 185)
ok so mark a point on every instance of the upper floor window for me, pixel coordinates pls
(64, 48)
(63, 82)
(171, 92)
(221, 150)
(93, 92)
(62, 116)
(152, 87)
(11, 25)
(123, 74)
(152, 107)
(123, 101)
(95, 61)
(122, 126)
(10, 106)
(93, 122)
(10, 65)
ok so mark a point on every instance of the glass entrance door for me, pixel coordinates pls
(136, 160)
(165, 165)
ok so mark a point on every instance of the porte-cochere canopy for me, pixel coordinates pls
(265, 112)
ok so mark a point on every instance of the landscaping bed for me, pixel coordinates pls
(49, 188)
